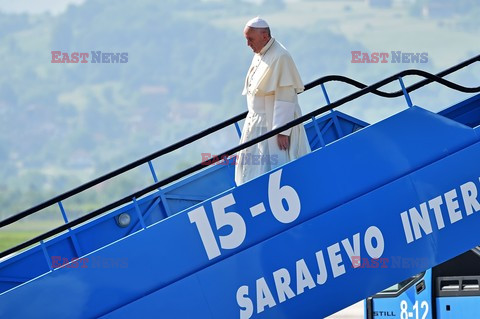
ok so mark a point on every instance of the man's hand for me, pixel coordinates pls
(283, 141)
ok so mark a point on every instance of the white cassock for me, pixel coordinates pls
(271, 87)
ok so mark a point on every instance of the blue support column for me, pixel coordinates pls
(147, 213)
(164, 202)
(405, 93)
(324, 90)
(76, 245)
(162, 195)
(239, 131)
(152, 170)
(334, 117)
(139, 213)
(336, 123)
(319, 134)
(45, 253)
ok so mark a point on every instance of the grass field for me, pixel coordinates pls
(9, 239)
(22, 231)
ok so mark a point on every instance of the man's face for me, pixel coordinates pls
(256, 38)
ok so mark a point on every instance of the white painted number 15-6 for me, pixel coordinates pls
(223, 216)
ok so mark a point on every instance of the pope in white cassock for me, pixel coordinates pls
(271, 86)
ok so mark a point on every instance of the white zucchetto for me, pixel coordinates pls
(257, 22)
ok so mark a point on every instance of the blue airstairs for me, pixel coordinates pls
(288, 244)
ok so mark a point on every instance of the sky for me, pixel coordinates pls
(36, 6)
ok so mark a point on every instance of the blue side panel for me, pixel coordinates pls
(206, 184)
(91, 236)
(188, 302)
(380, 208)
(330, 127)
(10, 274)
(458, 307)
(365, 180)
(311, 288)
(466, 112)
